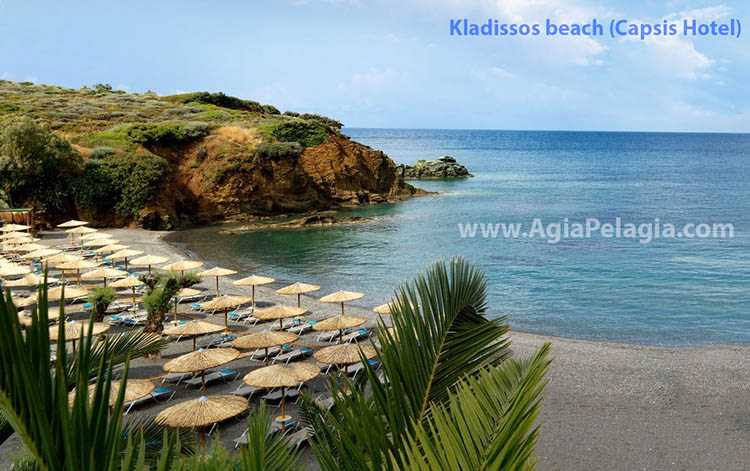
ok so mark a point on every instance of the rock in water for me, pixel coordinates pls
(443, 167)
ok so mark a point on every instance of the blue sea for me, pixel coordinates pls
(684, 291)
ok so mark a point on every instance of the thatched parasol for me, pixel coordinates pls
(30, 279)
(55, 294)
(279, 312)
(72, 223)
(385, 309)
(77, 329)
(202, 412)
(148, 260)
(217, 272)
(125, 254)
(31, 247)
(129, 282)
(96, 236)
(183, 293)
(264, 340)
(299, 289)
(41, 253)
(254, 280)
(342, 297)
(14, 228)
(23, 302)
(277, 376)
(77, 265)
(134, 390)
(112, 248)
(14, 235)
(193, 328)
(104, 273)
(100, 242)
(183, 266)
(223, 303)
(201, 360)
(339, 323)
(61, 258)
(13, 269)
(81, 230)
(344, 354)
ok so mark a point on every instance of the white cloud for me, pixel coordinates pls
(373, 78)
(702, 15)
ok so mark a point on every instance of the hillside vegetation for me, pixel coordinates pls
(122, 158)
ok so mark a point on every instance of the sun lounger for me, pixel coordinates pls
(156, 395)
(355, 336)
(328, 336)
(210, 378)
(324, 402)
(260, 353)
(215, 340)
(298, 438)
(245, 316)
(300, 329)
(296, 354)
(176, 378)
(243, 390)
(274, 397)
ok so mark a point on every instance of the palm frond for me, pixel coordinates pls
(266, 451)
(488, 423)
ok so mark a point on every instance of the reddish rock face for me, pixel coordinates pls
(219, 178)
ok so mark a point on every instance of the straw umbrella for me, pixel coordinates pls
(264, 340)
(96, 236)
(61, 258)
(149, 260)
(30, 279)
(277, 376)
(339, 323)
(56, 294)
(24, 302)
(344, 354)
(13, 269)
(77, 265)
(79, 230)
(41, 253)
(31, 247)
(254, 280)
(125, 254)
(183, 266)
(385, 309)
(280, 313)
(183, 293)
(72, 223)
(14, 228)
(104, 273)
(193, 329)
(134, 390)
(14, 235)
(201, 360)
(129, 282)
(299, 289)
(217, 272)
(100, 242)
(223, 303)
(342, 297)
(111, 248)
(77, 329)
(202, 412)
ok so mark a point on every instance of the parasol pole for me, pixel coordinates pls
(283, 415)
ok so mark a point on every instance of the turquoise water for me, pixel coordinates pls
(669, 291)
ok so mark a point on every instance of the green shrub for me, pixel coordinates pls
(293, 114)
(100, 300)
(94, 189)
(134, 178)
(218, 99)
(306, 133)
(166, 133)
(324, 120)
(278, 150)
(7, 108)
(102, 152)
(35, 163)
(270, 109)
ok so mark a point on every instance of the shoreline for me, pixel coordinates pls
(621, 406)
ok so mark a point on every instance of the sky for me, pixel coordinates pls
(394, 64)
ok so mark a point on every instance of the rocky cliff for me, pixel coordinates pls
(159, 161)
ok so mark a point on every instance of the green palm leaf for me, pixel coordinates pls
(488, 423)
(266, 451)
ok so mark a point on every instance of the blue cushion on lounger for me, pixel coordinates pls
(305, 349)
(228, 372)
(161, 390)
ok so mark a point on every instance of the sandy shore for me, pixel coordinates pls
(608, 406)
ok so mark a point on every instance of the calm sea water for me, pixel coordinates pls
(673, 292)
